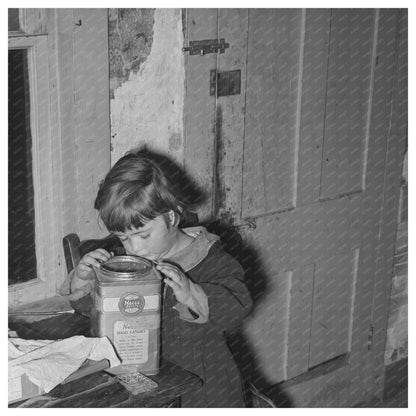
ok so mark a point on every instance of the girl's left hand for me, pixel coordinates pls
(177, 280)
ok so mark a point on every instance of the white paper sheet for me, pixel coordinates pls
(47, 363)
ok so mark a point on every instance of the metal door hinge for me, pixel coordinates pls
(202, 47)
(370, 338)
(246, 225)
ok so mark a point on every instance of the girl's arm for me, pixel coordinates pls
(80, 281)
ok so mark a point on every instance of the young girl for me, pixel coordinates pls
(140, 202)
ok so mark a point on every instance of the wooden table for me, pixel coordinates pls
(100, 389)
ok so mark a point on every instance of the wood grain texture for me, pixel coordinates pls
(200, 107)
(90, 111)
(271, 108)
(311, 126)
(348, 101)
(231, 112)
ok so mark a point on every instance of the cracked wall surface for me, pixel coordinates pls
(147, 80)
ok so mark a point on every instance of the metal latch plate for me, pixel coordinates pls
(202, 47)
(225, 83)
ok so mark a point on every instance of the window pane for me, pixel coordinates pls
(14, 19)
(22, 256)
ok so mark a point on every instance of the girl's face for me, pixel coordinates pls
(153, 241)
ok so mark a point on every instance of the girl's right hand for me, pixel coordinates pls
(93, 258)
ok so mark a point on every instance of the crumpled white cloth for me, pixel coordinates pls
(47, 362)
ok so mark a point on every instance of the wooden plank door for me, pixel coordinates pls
(298, 163)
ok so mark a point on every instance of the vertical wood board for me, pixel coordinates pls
(315, 59)
(347, 101)
(300, 308)
(35, 21)
(334, 280)
(65, 69)
(271, 103)
(233, 27)
(200, 107)
(91, 111)
(56, 155)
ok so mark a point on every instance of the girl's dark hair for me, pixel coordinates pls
(139, 187)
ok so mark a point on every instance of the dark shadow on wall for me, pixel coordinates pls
(257, 283)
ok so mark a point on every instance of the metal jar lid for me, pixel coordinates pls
(126, 267)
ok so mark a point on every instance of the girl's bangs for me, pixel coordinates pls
(123, 217)
(132, 212)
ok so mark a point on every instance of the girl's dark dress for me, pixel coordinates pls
(201, 348)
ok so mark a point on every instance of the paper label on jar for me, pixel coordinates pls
(131, 343)
(151, 302)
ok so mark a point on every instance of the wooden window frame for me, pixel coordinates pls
(43, 286)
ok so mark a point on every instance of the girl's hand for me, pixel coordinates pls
(177, 280)
(93, 258)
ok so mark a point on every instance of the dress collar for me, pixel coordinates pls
(194, 253)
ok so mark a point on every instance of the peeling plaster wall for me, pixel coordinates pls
(130, 41)
(147, 106)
